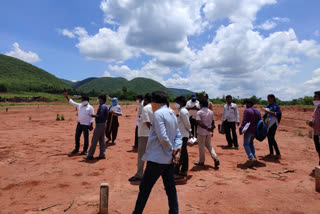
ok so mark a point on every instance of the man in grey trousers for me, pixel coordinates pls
(98, 134)
(143, 135)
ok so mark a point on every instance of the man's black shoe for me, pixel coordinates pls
(198, 164)
(216, 163)
(75, 151)
(83, 153)
(134, 178)
(89, 158)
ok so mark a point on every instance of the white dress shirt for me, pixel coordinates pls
(184, 122)
(231, 113)
(84, 113)
(190, 104)
(146, 117)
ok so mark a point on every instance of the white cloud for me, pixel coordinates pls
(66, 32)
(105, 45)
(281, 19)
(236, 59)
(151, 70)
(267, 25)
(124, 71)
(272, 23)
(247, 63)
(107, 74)
(160, 25)
(236, 11)
(29, 56)
(314, 83)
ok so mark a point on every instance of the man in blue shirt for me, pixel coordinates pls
(162, 152)
(98, 134)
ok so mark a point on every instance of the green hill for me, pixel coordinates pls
(17, 75)
(113, 85)
(82, 82)
(144, 85)
(175, 92)
(103, 84)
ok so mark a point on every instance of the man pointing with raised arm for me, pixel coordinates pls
(162, 152)
(85, 122)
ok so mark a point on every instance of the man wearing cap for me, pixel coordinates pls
(251, 115)
(193, 107)
(85, 122)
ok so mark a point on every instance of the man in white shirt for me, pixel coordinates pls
(143, 133)
(85, 122)
(230, 117)
(185, 129)
(193, 107)
(141, 105)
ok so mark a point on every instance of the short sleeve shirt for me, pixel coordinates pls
(190, 104)
(206, 116)
(146, 116)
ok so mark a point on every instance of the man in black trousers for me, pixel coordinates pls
(230, 117)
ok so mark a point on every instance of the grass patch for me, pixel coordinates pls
(300, 134)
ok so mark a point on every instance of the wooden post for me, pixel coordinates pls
(7, 109)
(104, 198)
(317, 173)
(310, 134)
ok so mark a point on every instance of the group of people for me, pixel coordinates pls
(162, 135)
(107, 124)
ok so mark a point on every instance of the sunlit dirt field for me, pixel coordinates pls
(37, 174)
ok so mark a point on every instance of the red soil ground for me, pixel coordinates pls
(36, 171)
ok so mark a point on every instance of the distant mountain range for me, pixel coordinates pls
(17, 75)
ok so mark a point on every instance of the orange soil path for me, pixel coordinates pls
(36, 171)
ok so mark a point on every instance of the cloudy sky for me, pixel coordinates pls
(238, 47)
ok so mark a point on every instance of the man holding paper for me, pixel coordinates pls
(251, 117)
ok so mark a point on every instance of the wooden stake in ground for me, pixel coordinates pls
(317, 174)
(104, 198)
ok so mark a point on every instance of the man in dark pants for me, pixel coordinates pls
(193, 107)
(230, 117)
(185, 130)
(140, 102)
(162, 152)
(98, 134)
(85, 122)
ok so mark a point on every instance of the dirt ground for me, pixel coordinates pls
(36, 171)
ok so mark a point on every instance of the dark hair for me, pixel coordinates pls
(148, 97)
(159, 97)
(85, 98)
(103, 97)
(206, 95)
(271, 96)
(182, 100)
(228, 96)
(140, 97)
(204, 103)
(317, 93)
(248, 101)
